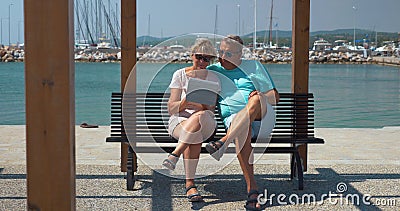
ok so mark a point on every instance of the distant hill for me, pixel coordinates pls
(261, 34)
(149, 40)
(285, 37)
(187, 40)
(316, 33)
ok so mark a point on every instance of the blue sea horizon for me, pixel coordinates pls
(346, 95)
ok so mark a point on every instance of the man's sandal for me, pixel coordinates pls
(195, 197)
(214, 149)
(253, 201)
(170, 162)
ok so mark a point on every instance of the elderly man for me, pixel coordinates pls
(245, 107)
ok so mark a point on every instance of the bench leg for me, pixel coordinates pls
(299, 169)
(292, 167)
(130, 174)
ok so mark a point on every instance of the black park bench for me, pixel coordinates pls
(294, 127)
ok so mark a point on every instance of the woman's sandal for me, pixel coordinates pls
(170, 162)
(253, 201)
(195, 197)
(214, 149)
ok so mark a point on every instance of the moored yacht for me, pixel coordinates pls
(321, 45)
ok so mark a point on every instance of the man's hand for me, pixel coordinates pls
(272, 95)
(255, 92)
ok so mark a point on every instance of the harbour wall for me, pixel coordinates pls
(265, 56)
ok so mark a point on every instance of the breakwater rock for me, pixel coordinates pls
(11, 55)
(97, 56)
(183, 56)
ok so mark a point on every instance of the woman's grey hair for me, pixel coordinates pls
(204, 46)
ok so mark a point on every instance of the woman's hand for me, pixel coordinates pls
(194, 106)
(184, 104)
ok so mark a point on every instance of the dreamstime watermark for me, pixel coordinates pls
(337, 198)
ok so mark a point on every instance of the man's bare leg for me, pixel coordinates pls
(245, 156)
(255, 109)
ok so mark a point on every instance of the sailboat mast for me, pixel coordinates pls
(276, 35)
(86, 20)
(270, 24)
(100, 20)
(148, 27)
(117, 23)
(215, 23)
(110, 28)
(96, 20)
(255, 26)
(148, 31)
(109, 14)
(78, 20)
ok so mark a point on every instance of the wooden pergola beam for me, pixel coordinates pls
(50, 104)
(128, 53)
(300, 62)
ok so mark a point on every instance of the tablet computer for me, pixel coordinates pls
(202, 91)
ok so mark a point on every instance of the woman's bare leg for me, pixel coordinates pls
(197, 128)
(191, 158)
(187, 132)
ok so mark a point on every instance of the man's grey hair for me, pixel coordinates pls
(233, 40)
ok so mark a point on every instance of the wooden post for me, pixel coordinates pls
(50, 104)
(300, 62)
(128, 53)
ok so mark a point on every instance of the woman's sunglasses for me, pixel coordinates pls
(201, 57)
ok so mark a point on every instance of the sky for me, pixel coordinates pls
(177, 17)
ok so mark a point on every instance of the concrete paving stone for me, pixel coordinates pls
(364, 160)
(102, 187)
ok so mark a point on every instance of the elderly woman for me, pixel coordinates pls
(190, 123)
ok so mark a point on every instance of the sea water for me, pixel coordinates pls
(346, 95)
